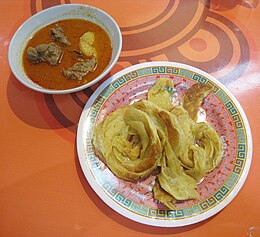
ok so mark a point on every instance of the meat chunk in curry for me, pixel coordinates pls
(50, 53)
(72, 64)
(80, 69)
(57, 34)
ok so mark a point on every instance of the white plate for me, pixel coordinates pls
(135, 200)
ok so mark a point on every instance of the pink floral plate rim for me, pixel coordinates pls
(116, 193)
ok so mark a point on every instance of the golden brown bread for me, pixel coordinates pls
(159, 94)
(193, 98)
(161, 195)
(127, 141)
(137, 138)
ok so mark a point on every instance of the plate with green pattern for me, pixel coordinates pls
(135, 200)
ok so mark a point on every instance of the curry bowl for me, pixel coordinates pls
(49, 16)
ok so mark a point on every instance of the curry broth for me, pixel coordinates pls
(51, 77)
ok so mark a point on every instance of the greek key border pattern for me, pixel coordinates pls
(197, 208)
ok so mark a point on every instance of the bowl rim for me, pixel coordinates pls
(72, 90)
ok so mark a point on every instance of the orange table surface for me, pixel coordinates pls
(43, 191)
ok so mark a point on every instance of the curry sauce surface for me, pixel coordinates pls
(51, 77)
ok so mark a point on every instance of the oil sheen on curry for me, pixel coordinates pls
(67, 54)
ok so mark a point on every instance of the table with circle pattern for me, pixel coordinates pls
(43, 191)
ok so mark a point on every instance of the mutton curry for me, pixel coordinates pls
(67, 54)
